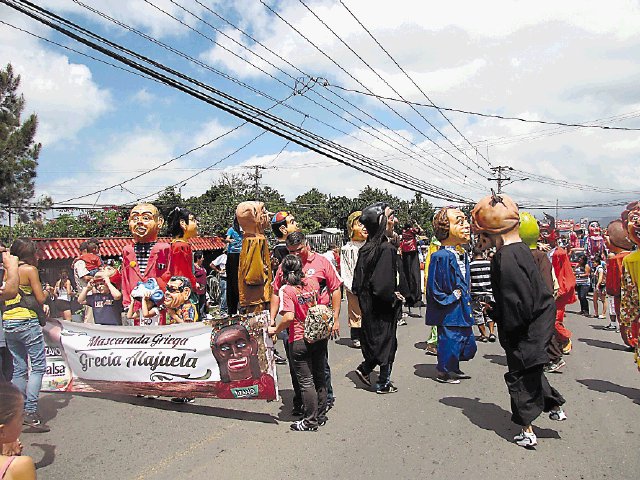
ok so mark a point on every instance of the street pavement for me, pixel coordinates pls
(425, 430)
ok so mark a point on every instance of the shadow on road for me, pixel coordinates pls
(284, 415)
(420, 345)
(165, 404)
(49, 405)
(425, 370)
(489, 416)
(346, 342)
(604, 386)
(497, 359)
(357, 383)
(603, 344)
(49, 454)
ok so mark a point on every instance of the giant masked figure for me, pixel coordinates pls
(375, 285)
(529, 232)
(254, 272)
(566, 279)
(147, 257)
(594, 244)
(630, 299)
(524, 310)
(449, 295)
(619, 246)
(357, 237)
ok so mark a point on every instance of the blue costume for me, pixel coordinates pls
(451, 315)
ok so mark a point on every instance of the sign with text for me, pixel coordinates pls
(233, 358)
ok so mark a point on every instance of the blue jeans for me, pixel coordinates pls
(223, 294)
(26, 344)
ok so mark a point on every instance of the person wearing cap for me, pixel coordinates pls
(449, 295)
(375, 285)
(524, 310)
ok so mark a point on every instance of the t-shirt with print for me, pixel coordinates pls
(298, 299)
(106, 311)
(236, 241)
(319, 268)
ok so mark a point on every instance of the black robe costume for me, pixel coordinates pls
(554, 348)
(524, 310)
(374, 283)
(411, 272)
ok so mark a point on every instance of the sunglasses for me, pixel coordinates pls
(171, 289)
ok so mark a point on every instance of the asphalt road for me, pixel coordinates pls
(425, 430)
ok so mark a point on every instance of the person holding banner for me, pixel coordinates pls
(308, 359)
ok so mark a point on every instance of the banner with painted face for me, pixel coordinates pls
(230, 358)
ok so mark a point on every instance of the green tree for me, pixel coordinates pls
(311, 210)
(18, 151)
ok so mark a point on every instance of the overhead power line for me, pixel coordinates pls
(415, 84)
(238, 108)
(449, 173)
(487, 115)
(356, 80)
(375, 72)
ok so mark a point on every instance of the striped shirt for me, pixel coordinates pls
(480, 272)
(143, 251)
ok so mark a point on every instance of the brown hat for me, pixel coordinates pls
(495, 214)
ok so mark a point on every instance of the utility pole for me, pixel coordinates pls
(256, 177)
(556, 209)
(499, 178)
(502, 181)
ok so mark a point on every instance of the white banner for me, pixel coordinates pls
(232, 359)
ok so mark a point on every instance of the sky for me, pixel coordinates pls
(570, 61)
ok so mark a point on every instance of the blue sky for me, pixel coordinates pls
(572, 62)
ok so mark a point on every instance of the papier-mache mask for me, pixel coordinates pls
(151, 285)
(145, 222)
(253, 217)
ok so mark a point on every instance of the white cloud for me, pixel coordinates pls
(136, 13)
(63, 94)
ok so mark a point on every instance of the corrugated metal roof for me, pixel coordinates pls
(66, 248)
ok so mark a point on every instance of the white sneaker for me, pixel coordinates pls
(602, 316)
(557, 415)
(526, 439)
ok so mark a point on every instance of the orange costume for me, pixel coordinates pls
(254, 274)
(254, 271)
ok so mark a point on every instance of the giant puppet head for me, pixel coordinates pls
(177, 292)
(548, 232)
(631, 221)
(529, 230)
(282, 224)
(145, 222)
(378, 218)
(182, 224)
(594, 229)
(615, 236)
(495, 216)
(253, 218)
(236, 352)
(356, 230)
(451, 227)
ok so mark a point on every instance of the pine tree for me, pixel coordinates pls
(18, 151)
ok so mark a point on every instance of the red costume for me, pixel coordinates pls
(156, 268)
(564, 274)
(180, 262)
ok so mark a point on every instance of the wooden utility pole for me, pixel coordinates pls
(499, 178)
